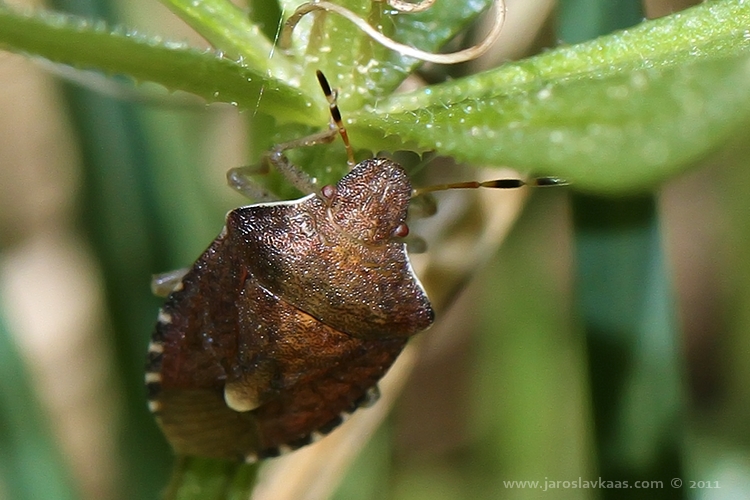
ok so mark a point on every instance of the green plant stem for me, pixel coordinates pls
(206, 479)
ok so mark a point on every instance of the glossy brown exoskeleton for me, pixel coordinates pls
(289, 319)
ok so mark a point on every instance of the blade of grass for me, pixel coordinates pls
(31, 465)
(530, 401)
(127, 224)
(626, 305)
(120, 218)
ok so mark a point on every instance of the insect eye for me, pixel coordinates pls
(328, 191)
(401, 231)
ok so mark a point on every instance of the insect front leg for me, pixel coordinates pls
(241, 178)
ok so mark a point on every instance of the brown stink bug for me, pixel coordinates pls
(292, 315)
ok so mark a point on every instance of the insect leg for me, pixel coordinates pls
(241, 180)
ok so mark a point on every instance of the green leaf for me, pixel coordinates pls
(622, 112)
(708, 31)
(82, 44)
(367, 71)
(229, 29)
(428, 30)
(622, 132)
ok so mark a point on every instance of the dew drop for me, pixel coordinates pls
(556, 137)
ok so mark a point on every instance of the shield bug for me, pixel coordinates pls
(290, 317)
(288, 320)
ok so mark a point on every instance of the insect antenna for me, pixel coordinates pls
(493, 184)
(332, 96)
(337, 122)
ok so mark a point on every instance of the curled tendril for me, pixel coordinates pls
(405, 50)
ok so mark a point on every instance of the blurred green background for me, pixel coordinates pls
(611, 348)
